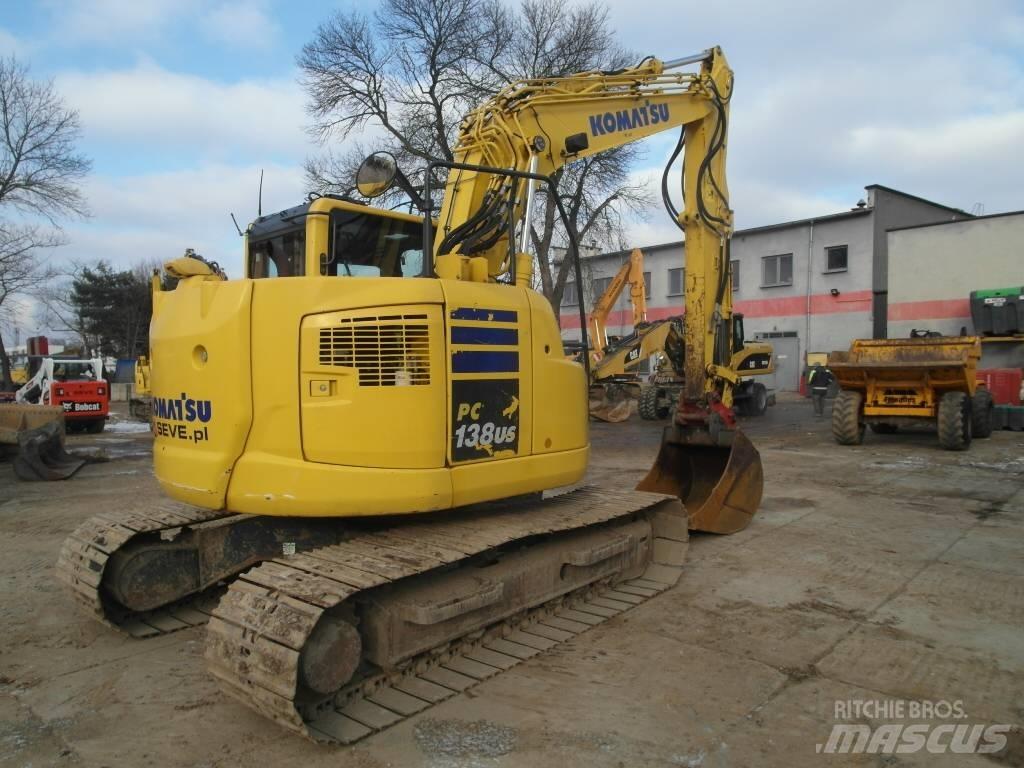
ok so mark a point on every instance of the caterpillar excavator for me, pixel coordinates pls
(748, 359)
(615, 365)
(371, 516)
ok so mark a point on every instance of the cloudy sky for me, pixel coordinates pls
(183, 101)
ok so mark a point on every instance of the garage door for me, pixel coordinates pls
(787, 361)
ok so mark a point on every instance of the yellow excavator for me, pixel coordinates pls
(615, 365)
(608, 396)
(140, 404)
(658, 395)
(372, 514)
(631, 273)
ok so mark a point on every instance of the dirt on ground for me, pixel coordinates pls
(888, 572)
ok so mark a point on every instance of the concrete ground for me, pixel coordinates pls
(890, 571)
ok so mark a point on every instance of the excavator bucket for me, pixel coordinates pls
(720, 486)
(611, 412)
(34, 434)
(613, 402)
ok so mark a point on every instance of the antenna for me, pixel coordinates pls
(236, 225)
(259, 199)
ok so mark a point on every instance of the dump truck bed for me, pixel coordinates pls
(941, 363)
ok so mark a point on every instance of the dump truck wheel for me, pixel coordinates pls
(663, 410)
(758, 402)
(954, 422)
(981, 414)
(648, 404)
(884, 429)
(847, 426)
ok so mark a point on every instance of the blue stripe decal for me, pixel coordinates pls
(485, 362)
(493, 315)
(464, 334)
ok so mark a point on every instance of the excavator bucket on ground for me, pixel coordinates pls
(720, 486)
(34, 434)
(611, 409)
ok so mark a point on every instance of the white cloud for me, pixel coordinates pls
(109, 21)
(240, 24)
(138, 23)
(924, 96)
(163, 109)
(10, 44)
(156, 216)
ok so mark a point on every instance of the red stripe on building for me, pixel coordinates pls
(930, 310)
(821, 304)
(789, 306)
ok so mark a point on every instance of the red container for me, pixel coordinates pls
(1003, 383)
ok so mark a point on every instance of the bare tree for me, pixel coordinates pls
(417, 66)
(20, 274)
(39, 176)
(39, 168)
(56, 310)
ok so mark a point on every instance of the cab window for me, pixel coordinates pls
(280, 255)
(369, 245)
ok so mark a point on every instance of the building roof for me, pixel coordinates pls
(959, 221)
(850, 214)
(739, 232)
(919, 199)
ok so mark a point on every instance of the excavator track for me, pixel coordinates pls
(284, 640)
(86, 553)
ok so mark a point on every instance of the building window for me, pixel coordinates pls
(734, 268)
(835, 258)
(777, 270)
(647, 285)
(569, 297)
(599, 286)
(675, 281)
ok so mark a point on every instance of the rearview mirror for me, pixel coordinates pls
(376, 174)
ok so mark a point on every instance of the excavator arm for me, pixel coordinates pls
(540, 125)
(631, 272)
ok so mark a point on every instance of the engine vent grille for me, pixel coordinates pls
(387, 350)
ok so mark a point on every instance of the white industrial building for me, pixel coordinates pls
(815, 284)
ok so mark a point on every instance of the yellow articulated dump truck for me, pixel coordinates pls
(890, 383)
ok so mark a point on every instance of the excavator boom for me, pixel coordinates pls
(564, 119)
(630, 273)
